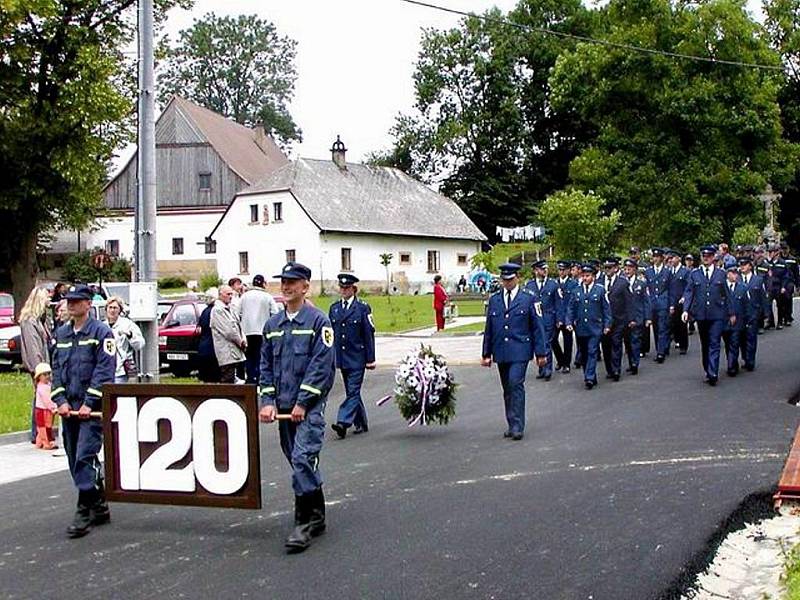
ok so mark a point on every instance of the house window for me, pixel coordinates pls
(277, 211)
(205, 182)
(346, 265)
(210, 246)
(254, 213)
(112, 247)
(177, 246)
(290, 256)
(433, 261)
(461, 260)
(265, 219)
(244, 263)
(405, 258)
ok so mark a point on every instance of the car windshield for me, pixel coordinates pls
(6, 301)
(184, 314)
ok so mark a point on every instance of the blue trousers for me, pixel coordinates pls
(751, 344)
(549, 333)
(710, 332)
(633, 344)
(352, 411)
(732, 339)
(512, 378)
(563, 357)
(661, 330)
(612, 348)
(82, 442)
(301, 444)
(588, 346)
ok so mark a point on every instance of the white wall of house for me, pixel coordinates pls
(265, 241)
(191, 227)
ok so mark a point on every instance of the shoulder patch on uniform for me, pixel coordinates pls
(370, 319)
(109, 346)
(538, 307)
(327, 336)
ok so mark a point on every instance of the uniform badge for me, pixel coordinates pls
(538, 307)
(371, 322)
(109, 346)
(327, 336)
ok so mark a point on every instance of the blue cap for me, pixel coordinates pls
(80, 292)
(595, 262)
(611, 261)
(563, 264)
(540, 264)
(688, 256)
(347, 279)
(670, 252)
(509, 270)
(294, 270)
(630, 262)
(588, 268)
(745, 260)
(657, 251)
(733, 268)
(708, 249)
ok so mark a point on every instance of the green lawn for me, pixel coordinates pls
(469, 328)
(402, 313)
(791, 576)
(16, 400)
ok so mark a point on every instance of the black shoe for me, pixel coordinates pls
(769, 327)
(82, 521)
(547, 377)
(732, 372)
(540, 376)
(360, 429)
(317, 520)
(565, 371)
(712, 381)
(749, 368)
(99, 511)
(516, 437)
(779, 327)
(682, 352)
(609, 376)
(615, 377)
(634, 370)
(589, 384)
(300, 538)
(577, 365)
(341, 430)
(787, 324)
(558, 369)
(506, 434)
(660, 358)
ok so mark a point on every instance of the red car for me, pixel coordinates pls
(6, 310)
(179, 336)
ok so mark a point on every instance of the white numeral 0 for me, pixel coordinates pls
(187, 433)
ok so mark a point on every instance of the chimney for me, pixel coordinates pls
(262, 138)
(337, 153)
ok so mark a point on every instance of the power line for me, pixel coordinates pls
(590, 40)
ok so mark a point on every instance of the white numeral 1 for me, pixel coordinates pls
(127, 442)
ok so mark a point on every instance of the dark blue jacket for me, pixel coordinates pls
(297, 359)
(547, 295)
(205, 347)
(640, 302)
(565, 290)
(757, 296)
(741, 307)
(516, 334)
(619, 300)
(659, 287)
(355, 334)
(779, 275)
(589, 314)
(708, 300)
(678, 286)
(82, 363)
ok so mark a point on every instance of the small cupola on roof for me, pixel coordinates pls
(337, 153)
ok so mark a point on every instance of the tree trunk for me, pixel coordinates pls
(24, 269)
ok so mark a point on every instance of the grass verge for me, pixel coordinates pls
(791, 576)
(16, 400)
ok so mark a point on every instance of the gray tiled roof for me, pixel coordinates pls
(367, 199)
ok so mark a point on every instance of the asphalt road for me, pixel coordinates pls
(608, 496)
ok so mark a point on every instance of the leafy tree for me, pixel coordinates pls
(580, 229)
(240, 67)
(748, 233)
(683, 147)
(79, 267)
(482, 126)
(64, 109)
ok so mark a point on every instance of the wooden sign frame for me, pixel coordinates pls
(191, 397)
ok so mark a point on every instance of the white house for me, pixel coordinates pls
(202, 160)
(337, 217)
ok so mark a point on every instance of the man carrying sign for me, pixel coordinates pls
(84, 358)
(297, 373)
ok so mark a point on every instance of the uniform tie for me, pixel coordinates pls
(508, 299)
(708, 272)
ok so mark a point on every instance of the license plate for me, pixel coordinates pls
(5, 361)
(180, 356)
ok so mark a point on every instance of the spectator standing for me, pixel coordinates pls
(439, 300)
(208, 369)
(238, 289)
(462, 285)
(229, 343)
(257, 306)
(34, 338)
(45, 407)
(128, 338)
(60, 314)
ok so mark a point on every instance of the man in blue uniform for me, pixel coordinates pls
(565, 286)
(619, 300)
(84, 359)
(680, 275)
(354, 331)
(545, 290)
(589, 316)
(513, 335)
(297, 372)
(708, 300)
(756, 294)
(639, 315)
(689, 263)
(659, 280)
(777, 281)
(732, 336)
(793, 280)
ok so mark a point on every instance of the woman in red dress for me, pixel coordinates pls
(439, 300)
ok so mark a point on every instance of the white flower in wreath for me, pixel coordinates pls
(413, 381)
(434, 398)
(428, 372)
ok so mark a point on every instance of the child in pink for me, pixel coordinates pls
(45, 408)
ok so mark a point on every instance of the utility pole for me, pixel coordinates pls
(145, 214)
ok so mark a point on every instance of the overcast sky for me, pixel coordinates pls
(355, 59)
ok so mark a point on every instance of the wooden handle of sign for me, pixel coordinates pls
(95, 414)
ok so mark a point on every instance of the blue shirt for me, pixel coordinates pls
(708, 299)
(354, 333)
(589, 313)
(516, 333)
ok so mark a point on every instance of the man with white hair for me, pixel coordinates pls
(229, 343)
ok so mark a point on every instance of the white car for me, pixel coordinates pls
(10, 347)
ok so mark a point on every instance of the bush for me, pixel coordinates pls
(171, 282)
(746, 234)
(580, 227)
(209, 280)
(78, 267)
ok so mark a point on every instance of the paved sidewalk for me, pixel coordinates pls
(461, 350)
(22, 460)
(429, 331)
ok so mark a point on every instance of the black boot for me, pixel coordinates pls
(317, 520)
(300, 538)
(100, 513)
(82, 522)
